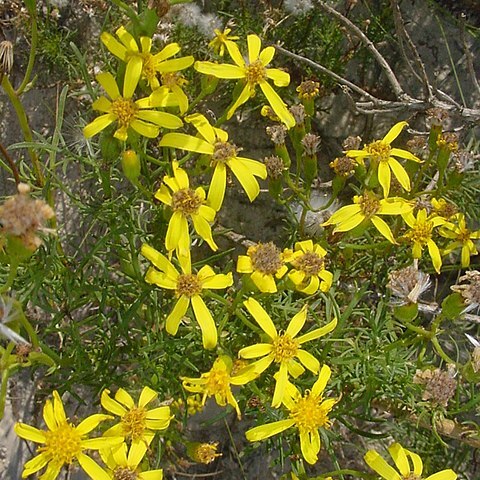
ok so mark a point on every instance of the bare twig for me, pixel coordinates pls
(397, 88)
(10, 161)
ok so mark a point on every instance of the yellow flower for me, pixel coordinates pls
(185, 203)
(253, 72)
(63, 442)
(308, 273)
(282, 348)
(170, 93)
(382, 153)
(221, 40)
(150, 65)
(188, 288)
(462, 238)
(203, 452)
(409, 465)
(125, 111)
(308, 413)
(366, 208)
(264, 261)
(420, 235)
(123, 463)
(217, 383)
(223, 154)
(137, 423)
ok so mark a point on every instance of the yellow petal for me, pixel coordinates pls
(102, 104)
(400, 458)
(151, 475)
(313, 285)
(435, 255)
(28, 432)
(261, 317)
(323, 378)
(143, 128)
(309, 361)
(146, 396)
(98, 125)
(111, 405)
(136, 453)
(162, 119)
(398, 152)
(281, 378)
(51, 473)
(383, 228)
(254, 45)
(297, 322)
(344, 214)
(159, 260)
(146, 44)
(101, 443)
(310, 446)
(255, 351)
(48, 415)
(91, 422)
(400, 173)
(159, 413)
(234, 52)
(245, 94)
(127, 39)
(132, 76)
(178, 312)
(244, 264)
(266, 55)
(58, 409)
(279, 77)
(36, 463)
(205, 320)
(394, 132)
(264, 282)
(245, 177)
(219, 70)
(107, 81)
(168, 51)
(123, 397)
(266, 431)
(177, 231)
(384, 177)
(202, 227)
(114, 46)
(218, 281)
(377, 463)
(443, 475)
(277, 105)
(92, 468)
(216, 192)
(318, 332)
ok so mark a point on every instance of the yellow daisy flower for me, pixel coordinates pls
(282, 348)
(137, 423)
(62, 443)
(264, 261)
(253, 72)
(409, 465)
(420, 235)
(221, 40)
(308, 273)
(123, 463)
(367, 208)
(170, 93)
(188, 288)
(125, 111)
(308, 413)
(151, 65)
(382, 153)
(217, 383)
(223, 154)
(462, 238)
(186, 204)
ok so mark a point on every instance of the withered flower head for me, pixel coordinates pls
(439, 385)
(298, 112)
(408, 284)
(275, 167)
(277, 134)
(470, 290)
(310, 143)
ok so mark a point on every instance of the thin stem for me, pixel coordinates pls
(10, 161)
(27, 132)
(31, 57)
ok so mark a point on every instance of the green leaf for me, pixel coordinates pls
(453, 306)
(406, 313)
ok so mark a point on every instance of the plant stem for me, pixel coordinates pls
(31, 57)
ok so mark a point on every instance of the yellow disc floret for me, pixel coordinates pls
(124, 473)
(284, 348)
(188, 285)
(309, 413)
(125, 111)
(266, 258)
(62, 444)
(186, 201)
(379, 151)
(134, 422)
(255, 73)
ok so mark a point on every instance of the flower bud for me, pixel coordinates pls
(131, 165)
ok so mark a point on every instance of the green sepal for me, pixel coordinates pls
(406, 313)
(275, 187)
(453, 306)
(435, 131)
(310, 168)
(16, 251)
(109, 147)
(337, 185)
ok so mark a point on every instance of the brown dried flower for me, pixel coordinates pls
(439, 386)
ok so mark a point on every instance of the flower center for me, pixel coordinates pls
(369, 205)
(172, 79)
(309, 263)
(133, 422)
(218, 383)
(62, 444)
(284, 348)
(125, 110)
(148, 68)
(463, 235)
(186, 201)
(309, 413)
(188, 285)
(379, 151)
(265, 258)
(412, 476)
(224, 151)
(255, 73)
(206, 453)
(124, 473)
(421, 233)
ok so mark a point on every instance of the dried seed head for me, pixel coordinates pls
(439, 386)
(343, 166)
(417, 145)
(437, 117)
(265, 257)
(277, 134)
(6, 57)
(352, 143)
(298, 112)
(470, 290)
(22, 217)
(408, 284)
(275, 167)
(463, 160)
(310, 143)
(160, 6)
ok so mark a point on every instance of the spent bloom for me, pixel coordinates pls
(409, 465)
(217, 382)
(252, 72)
(383, 155)
(62, 443)
(223, 154)
(186, 204)
(462, 238)
(439, 385)
(264, 261)
(137, 423)
(408, 284)
(203, 452)
(22, 218)
(367, 208)
(128, 113)
(307, 413)
(150, 65)
(469, 290)
(420, 235)
(188, 289)
(308, 272)
(282, 348)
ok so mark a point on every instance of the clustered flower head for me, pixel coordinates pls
(439, 385)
